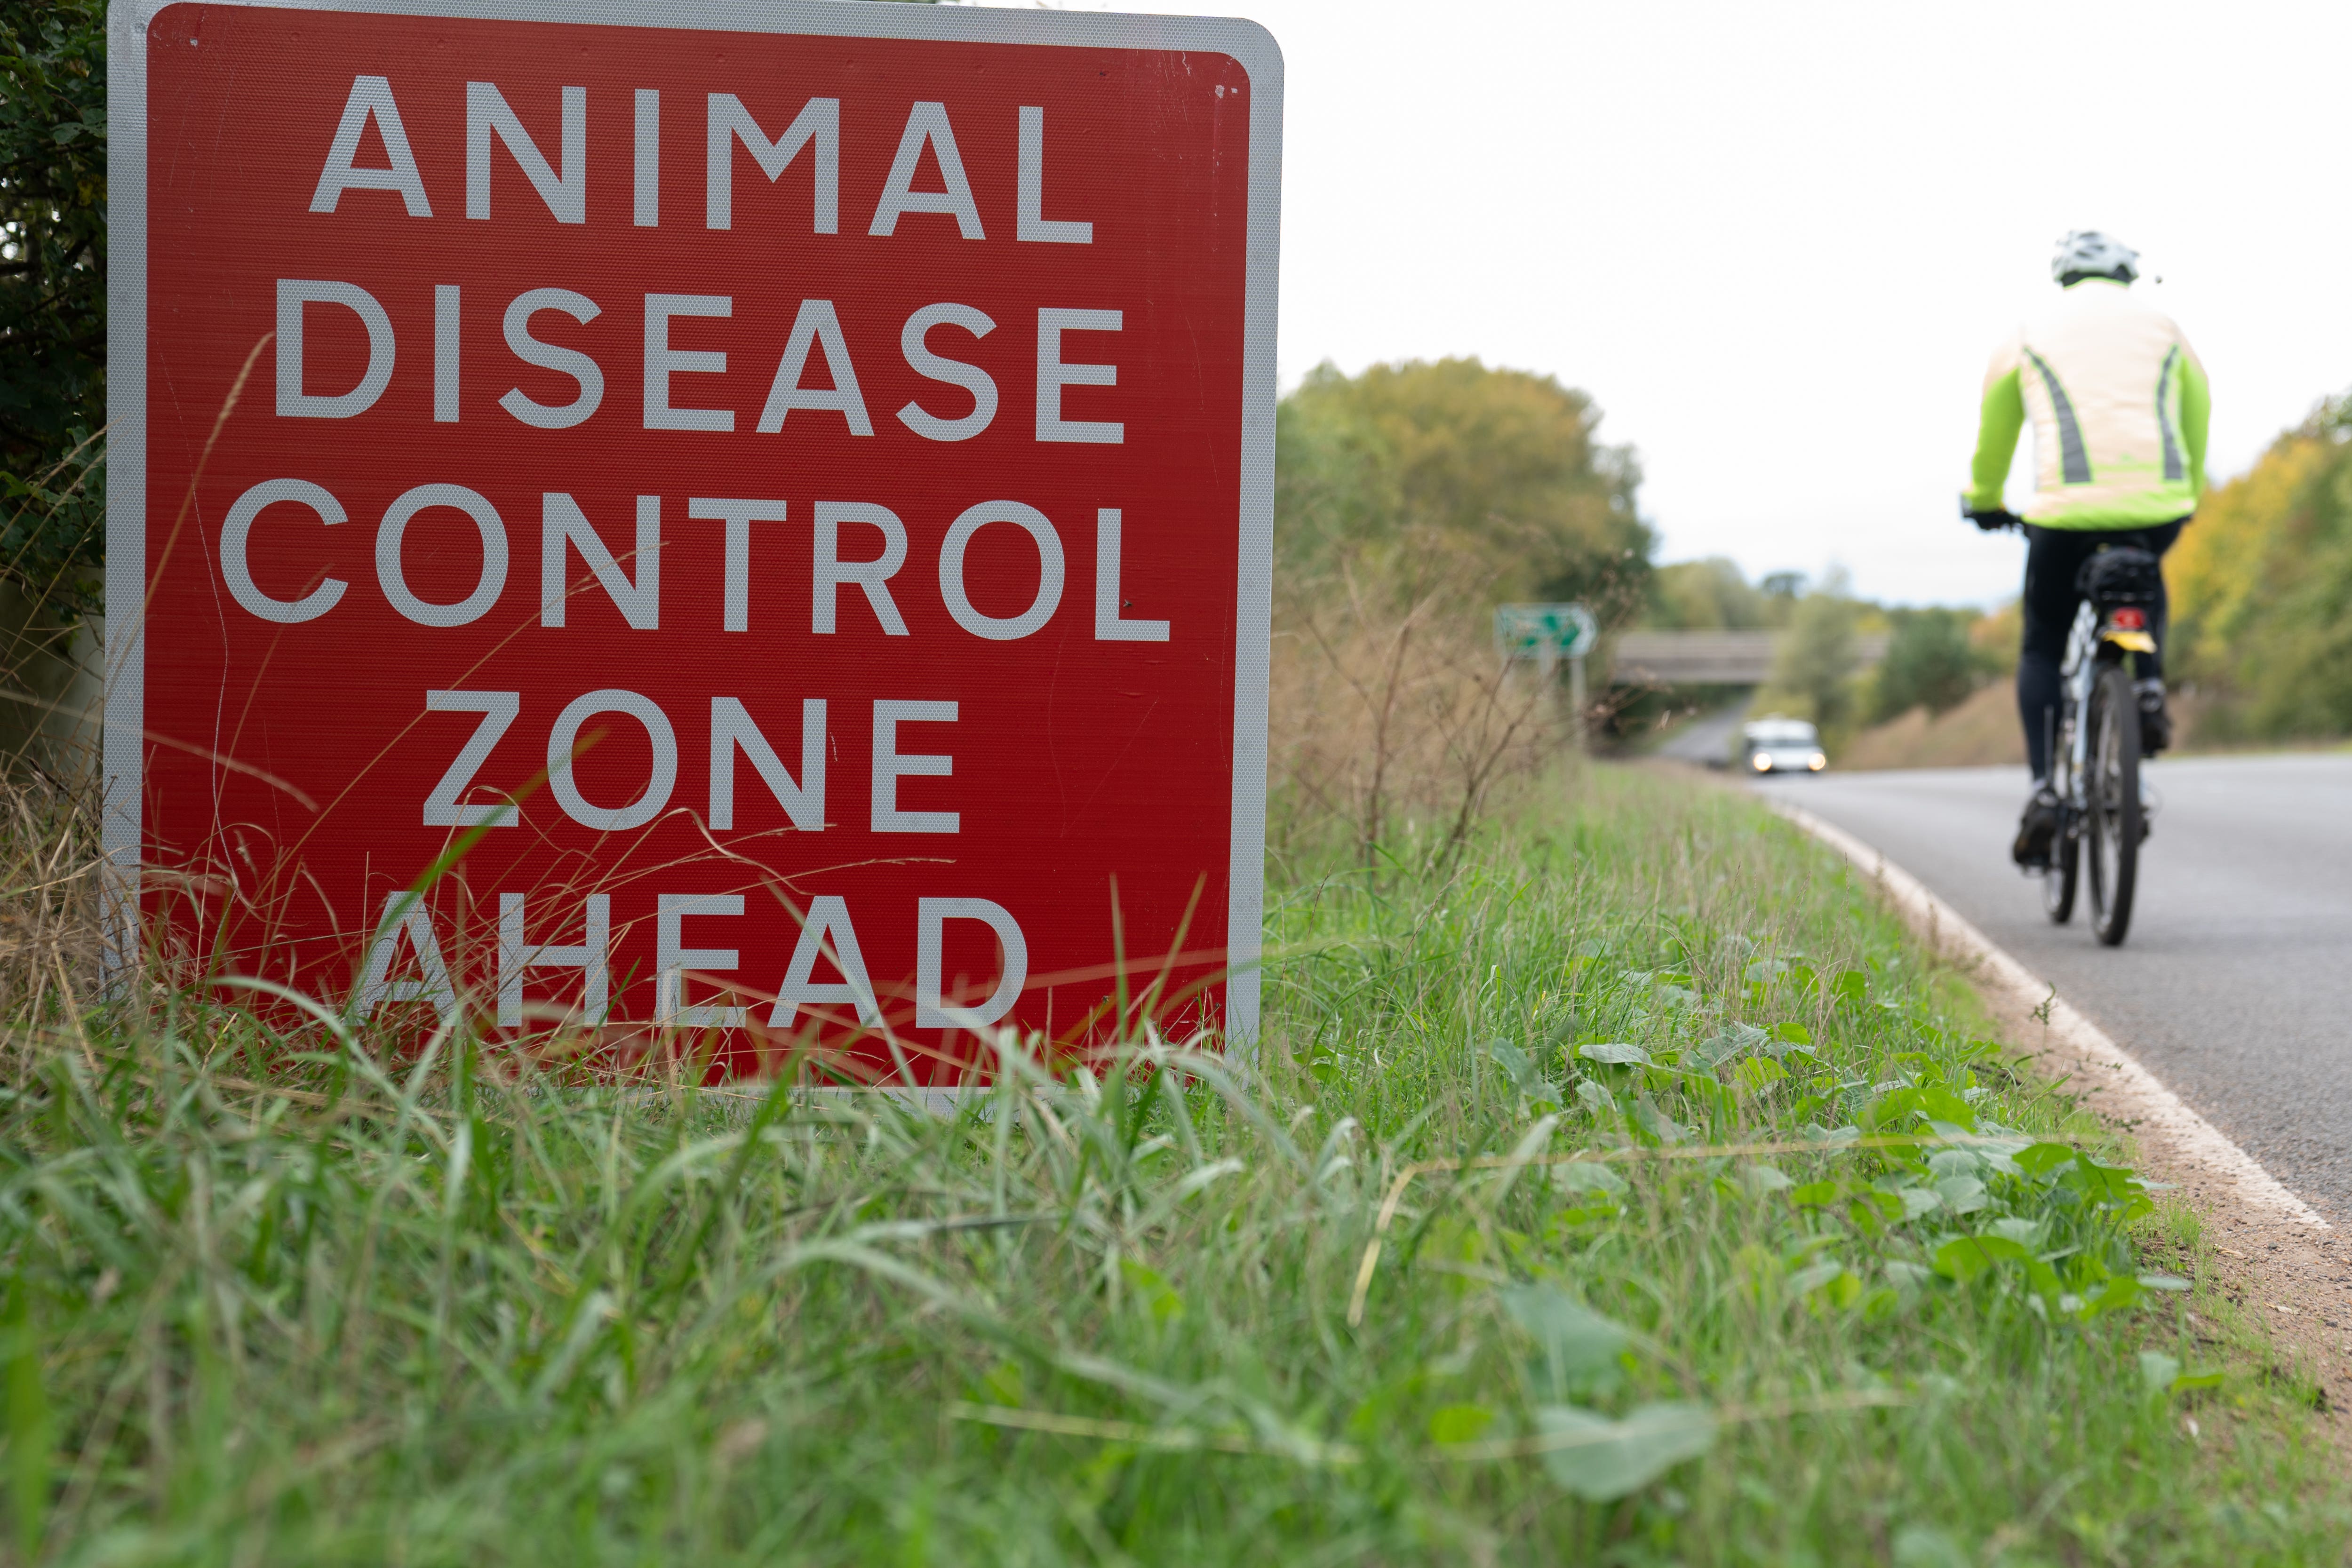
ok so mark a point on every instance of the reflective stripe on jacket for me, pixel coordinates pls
(2120, 406)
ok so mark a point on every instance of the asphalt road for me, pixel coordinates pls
(1706, 739)
(2235, 985)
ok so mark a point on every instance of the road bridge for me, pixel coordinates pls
(1712, 658)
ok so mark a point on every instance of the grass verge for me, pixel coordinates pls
(1634, 1193)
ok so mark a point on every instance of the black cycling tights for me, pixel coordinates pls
(2053, 559)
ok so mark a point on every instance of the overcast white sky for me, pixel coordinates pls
(1778, 241)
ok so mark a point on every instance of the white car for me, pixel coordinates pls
(1782, 746)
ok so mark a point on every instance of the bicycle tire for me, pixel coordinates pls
(2111, 816)
(2065, 874)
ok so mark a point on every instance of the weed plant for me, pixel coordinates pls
(1632, 1193)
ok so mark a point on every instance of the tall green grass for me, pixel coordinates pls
(343, 1306)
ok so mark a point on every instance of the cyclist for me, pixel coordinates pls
(2120, 405)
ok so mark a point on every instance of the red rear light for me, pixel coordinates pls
(2130, 618)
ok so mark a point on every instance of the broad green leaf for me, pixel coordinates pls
(1851, 985)
(1763, 1179)
(1601, 1460)
(1793, 1034)
(1153, 1291)
(1907, 1274)
(1924, 1546)
(1962, 1194)
(1734, 1041)
(1886, 1206)
(1459, 1423)
(1814, 1195)
(1813, 1277)
(1919, 1200)
(2164, 1281)
(1963, 1258)
(1615, 1051)
(2042, 1159)
(2026, 1233)
(1576, 1341)
(2118, 1294)
(1655, 1121)
(2157, 1370)
(1942, 1105)
(1589, 1176)
(1952, 1163)
(1522, 1073)
(1758, 1073)
(2188, 1380)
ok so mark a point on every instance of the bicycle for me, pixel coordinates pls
(2095, 755)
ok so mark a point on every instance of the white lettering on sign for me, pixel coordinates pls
(1052, 375)
(443, 807)
(818, 124)
(1111, 624)
(549, 356)
(564, 747)
(914, 343)
(390, 575)
(829, 571)
(739, 517)
(1034, 225)
(733, 730)
(890, 765)
(931, 1008)
(662, 362)
(1049, 571)
(673, 958)
(448, 344)
(927, 126)
(565, 193)
(825, 933)
(370, 98)
(591, 957)
(564, 526)
(815, 324)
(237, 533)
(293, 401)
(404, 914)
(644, 209)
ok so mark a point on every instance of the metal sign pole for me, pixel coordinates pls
(1576, 702)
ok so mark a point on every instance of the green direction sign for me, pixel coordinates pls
(1538, 631)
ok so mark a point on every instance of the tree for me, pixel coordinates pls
(1428, 472)
(53, 296)
(1929, 663)
(1814, 670)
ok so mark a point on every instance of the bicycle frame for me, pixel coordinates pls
(2092, 642)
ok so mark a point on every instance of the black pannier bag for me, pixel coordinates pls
(2124, 575)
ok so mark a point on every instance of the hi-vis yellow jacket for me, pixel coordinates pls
(2120, 406)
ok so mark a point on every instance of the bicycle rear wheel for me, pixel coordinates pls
(2111, 816)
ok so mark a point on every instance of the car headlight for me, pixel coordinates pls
(1763, 763)
(1817, 762)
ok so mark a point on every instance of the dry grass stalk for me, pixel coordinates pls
(1394, 721)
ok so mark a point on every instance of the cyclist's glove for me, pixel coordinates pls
(1990, 520)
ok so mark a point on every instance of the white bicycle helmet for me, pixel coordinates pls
(2089, 253)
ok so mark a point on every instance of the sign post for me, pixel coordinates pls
(745, 524)
(1548, 634)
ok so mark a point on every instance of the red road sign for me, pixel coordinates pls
(732, 518)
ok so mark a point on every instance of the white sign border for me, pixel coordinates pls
(126, 510)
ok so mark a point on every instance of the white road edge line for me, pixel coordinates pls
(2136, 1093)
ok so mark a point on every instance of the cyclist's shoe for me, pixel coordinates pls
(2155, 718)
(2036, 828)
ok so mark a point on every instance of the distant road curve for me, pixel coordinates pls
(2235, 987)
